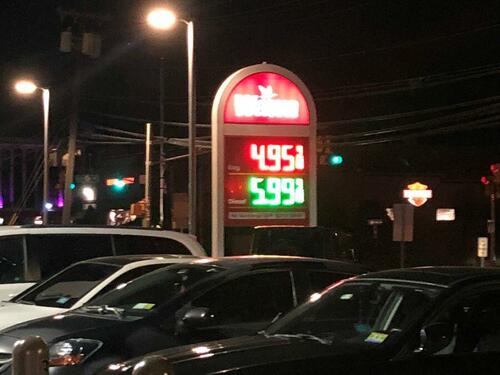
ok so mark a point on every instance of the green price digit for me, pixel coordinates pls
(299, 190)
(288, 188)
(273, 187)
(256, 190)
(274, 191)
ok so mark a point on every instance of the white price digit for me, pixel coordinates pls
(299, 157)
(287, 157)
(274, 154)
(259, 153)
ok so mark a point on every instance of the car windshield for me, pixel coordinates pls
(146, 293)
(361, 312)
(67, 287)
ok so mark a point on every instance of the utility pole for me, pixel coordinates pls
(70, 166)
(162, 144)
(492, 224)
(495, 183)
(89, 44)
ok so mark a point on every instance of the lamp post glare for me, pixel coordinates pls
(25, 87)
(161, 19)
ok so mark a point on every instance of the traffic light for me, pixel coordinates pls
(334, 160)
(495, 171)
(118, 184)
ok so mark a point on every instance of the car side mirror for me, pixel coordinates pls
(435, 337)
(197, 317)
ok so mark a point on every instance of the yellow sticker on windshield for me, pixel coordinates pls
(376, 337)
(144, 306)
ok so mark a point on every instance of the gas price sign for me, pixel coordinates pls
(263, 151)
(266, 172)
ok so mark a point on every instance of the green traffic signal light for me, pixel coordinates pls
(335, 160)
(118, 184)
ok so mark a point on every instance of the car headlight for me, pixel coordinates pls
(72, 352)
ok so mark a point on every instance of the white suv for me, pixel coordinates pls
(32, 253)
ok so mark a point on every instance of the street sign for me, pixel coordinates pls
(402, 227)
(263, 152)
(482, 247)
(91, 179)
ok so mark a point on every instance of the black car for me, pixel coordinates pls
(204, 300)
(434, 320)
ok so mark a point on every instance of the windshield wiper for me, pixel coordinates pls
(301, 336)
(105, 309)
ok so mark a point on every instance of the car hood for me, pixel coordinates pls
(68, 325)
(241, 352)
(15, 313)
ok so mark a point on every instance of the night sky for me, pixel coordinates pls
(400, 85)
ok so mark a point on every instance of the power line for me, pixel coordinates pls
(394, 116)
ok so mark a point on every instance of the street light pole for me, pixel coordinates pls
(46, 101)
(192, 191)
(147, 165)
(25, 87)
(163, 19)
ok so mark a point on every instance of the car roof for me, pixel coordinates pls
(186, 239)
(122, 260)
(444, 276)
(256, 261)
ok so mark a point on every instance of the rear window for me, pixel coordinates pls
(50, 253)
(66, 288)
(128, 245)
(11, 260)
(312, 242)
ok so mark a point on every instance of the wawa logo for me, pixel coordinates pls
(417, 194)
(265, 105)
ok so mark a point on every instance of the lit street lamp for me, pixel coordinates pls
(25, 87)
(163, 19)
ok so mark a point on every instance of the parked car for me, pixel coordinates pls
(80, 283)
(316, 242)
(170, 307)
(29, 254)
(434, 320)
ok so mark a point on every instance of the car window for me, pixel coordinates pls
(250, 298)
(476, 324)
(51, 253)
(365, 313)
(148, 292)
(127, 245)
(11, 260)
(319, 280)
(66, 288)
(128, 276)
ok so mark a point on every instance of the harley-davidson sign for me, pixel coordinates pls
(417, 194)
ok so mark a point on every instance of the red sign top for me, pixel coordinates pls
(266, 98)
